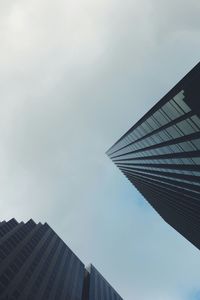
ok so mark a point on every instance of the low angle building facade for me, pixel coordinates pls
(160, 156)
(36, 264)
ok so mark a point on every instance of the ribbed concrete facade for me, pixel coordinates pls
(36, 264)
(160, 155)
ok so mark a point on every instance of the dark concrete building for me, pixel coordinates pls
(160, 155)
(36, 264)
(99, 288)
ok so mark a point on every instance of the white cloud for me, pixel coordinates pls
(74, 76)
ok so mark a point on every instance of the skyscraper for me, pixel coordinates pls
(160, 155)
(36, 264)
(97, 288)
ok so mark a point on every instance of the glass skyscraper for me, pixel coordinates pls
(35, 264)
(160, 155)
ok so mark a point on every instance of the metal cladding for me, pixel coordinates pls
(160, 155)
(36, 264)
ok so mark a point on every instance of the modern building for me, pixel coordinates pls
(97, 288)
(36, 264)
(160, 155)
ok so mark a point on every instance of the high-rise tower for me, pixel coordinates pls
(160, 155)
(35, 264)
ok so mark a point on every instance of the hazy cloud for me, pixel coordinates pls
(75, 75)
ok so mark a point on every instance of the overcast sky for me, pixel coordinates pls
(74, 76)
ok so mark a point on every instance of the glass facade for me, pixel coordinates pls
(160, 155)
(36, 264)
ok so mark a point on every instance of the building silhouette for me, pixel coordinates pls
(36, 264)
(160, 155)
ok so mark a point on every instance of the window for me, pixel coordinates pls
(196, 120)
(185, 127)
(196, 143)
(170, 111)
(173, 132)
(179, 100)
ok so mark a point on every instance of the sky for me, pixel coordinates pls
(74, 76)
